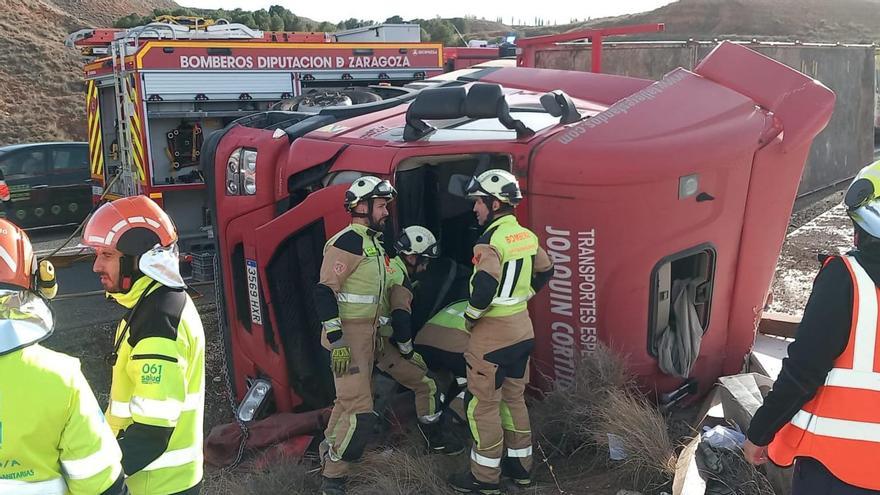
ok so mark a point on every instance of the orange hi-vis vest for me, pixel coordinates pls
(840, 426)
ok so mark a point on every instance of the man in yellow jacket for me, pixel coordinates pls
(157, 393)
(53, 437)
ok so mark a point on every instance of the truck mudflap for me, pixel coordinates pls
(690, 179)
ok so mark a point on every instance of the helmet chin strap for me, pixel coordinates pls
(369, 216)
(128, 272)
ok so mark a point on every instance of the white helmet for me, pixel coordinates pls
(498, 184)
(417, 240)
(366, 188)
(862, 202)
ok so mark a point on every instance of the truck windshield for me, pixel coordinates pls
(467, 129)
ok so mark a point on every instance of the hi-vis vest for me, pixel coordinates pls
(158, 380)
(840, 426)
(396, 276)
(53, 437)
(517, 247)
(364, 294)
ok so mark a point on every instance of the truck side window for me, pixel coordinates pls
(681, 287)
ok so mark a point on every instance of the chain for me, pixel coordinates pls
(230, 394)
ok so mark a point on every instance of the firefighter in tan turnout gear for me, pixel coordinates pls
(355, 295)
(509, 267)
(54, 439)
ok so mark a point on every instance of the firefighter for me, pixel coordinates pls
(53, 437)
(822, 414)
(352, 294)
(437, 283)
(157, 391)
(509, 267)
(397, 357)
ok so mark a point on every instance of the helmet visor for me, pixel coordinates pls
(25, 318)
(868, 218)
(383, 189)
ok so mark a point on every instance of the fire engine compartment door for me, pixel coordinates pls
(185, 86)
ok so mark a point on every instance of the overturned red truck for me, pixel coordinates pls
(631, 185)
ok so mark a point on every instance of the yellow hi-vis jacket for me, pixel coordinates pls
(53, 437)
(158, 386)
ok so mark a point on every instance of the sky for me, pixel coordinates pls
(336, 10)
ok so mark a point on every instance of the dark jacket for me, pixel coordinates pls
(428, 294)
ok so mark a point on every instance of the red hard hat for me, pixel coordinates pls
(17, 263)
(131, 225)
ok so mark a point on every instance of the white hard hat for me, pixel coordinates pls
(418, 240)
(366, 188)
(499, 184)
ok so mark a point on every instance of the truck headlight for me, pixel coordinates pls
(254, 400)
(241, 172)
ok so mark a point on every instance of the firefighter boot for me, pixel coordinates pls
(466, 483)
(332, 486)
(439, 439)
(511, 468)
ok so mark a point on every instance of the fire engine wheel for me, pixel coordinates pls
(21, 214)
(56, 210)
(39, 211)
(73, 207)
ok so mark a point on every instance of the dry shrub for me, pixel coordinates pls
(650, 454)
(567, 416)
(602, 399)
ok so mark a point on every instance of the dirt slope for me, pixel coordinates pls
(40, 79)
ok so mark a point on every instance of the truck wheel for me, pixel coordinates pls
(73, 207)
(56, 210)
(39, 211)
(21, 213)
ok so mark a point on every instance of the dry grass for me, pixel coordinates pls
(290, 477)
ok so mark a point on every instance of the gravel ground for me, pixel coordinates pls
(829, 233)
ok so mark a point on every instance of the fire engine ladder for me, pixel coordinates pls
(128, 183)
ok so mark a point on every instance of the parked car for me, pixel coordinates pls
(49, 183)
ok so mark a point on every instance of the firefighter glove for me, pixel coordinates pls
(417, 359)
(340, 359)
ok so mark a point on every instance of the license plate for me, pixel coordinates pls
(253, 283)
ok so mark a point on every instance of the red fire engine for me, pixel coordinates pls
(155, 92)
(632, 185)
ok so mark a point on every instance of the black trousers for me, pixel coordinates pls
(812, 478)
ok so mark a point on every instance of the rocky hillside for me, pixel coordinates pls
(40, 79)
(849, 21)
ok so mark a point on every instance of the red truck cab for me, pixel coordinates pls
(631, 185)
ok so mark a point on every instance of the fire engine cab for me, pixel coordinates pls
(640, 191)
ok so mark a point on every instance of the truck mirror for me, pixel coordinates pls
(457, 185)
(559, 104)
